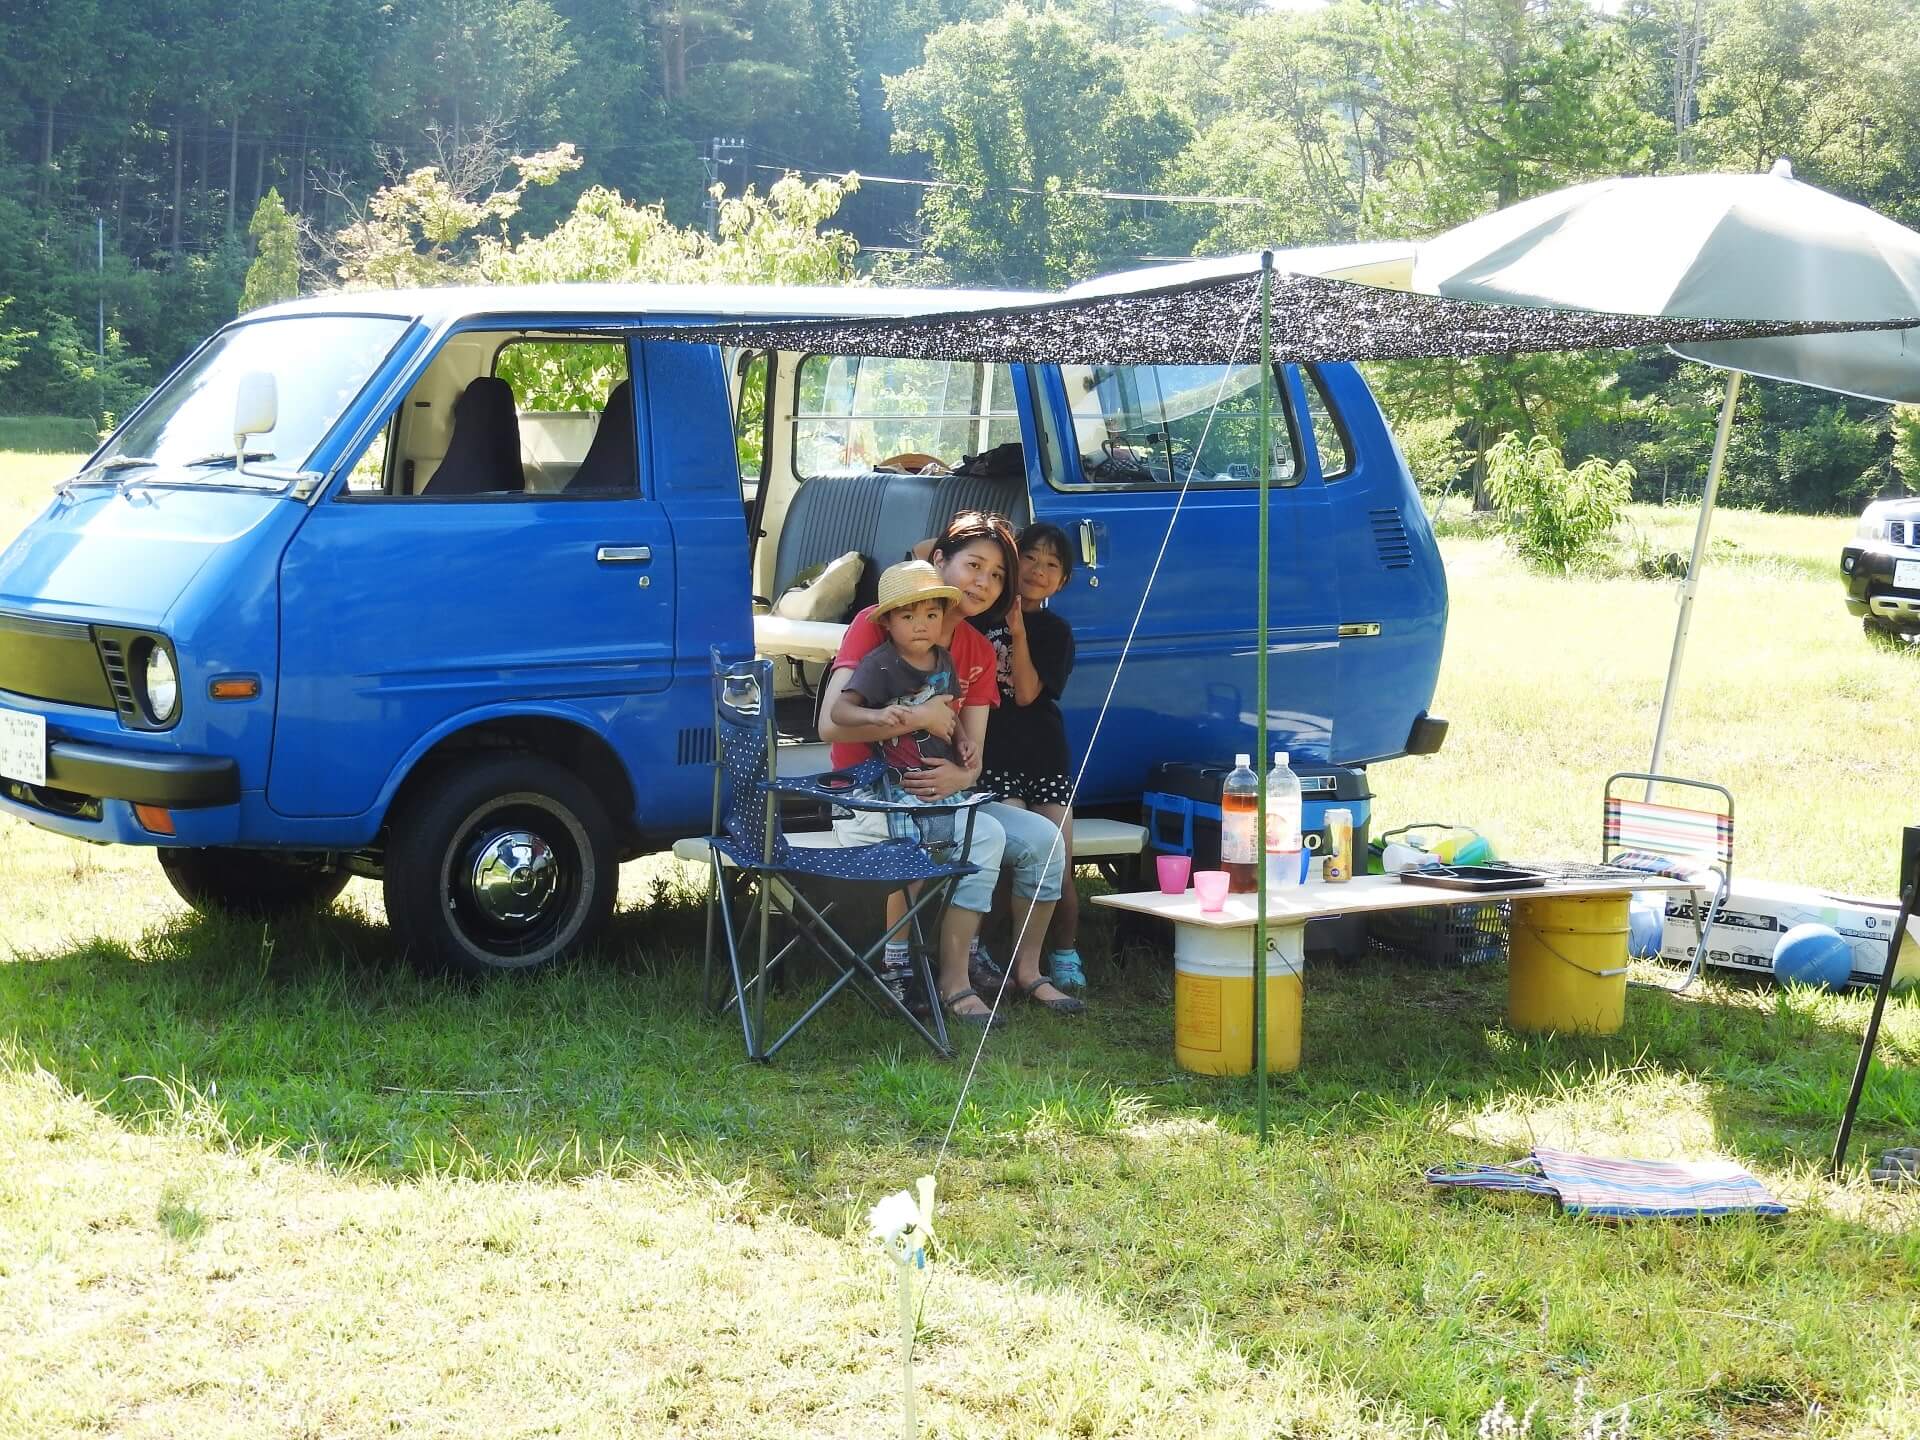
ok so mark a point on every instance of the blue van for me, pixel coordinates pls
(423, 586)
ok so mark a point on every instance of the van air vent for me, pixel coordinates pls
(1390, 539)
(114, 659)
(696, 747)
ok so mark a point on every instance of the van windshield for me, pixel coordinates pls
(318, 364)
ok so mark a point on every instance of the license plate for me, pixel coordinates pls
(23, 747)
(1906, 574)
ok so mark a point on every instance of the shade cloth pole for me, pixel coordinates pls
(1692, 583)
(1260, 704)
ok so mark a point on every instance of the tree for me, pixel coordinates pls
(1025, 115)
(1556, 518)
(112, 383)
(13, 343)
(417, 229)
(275, 272)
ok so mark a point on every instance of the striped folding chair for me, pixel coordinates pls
(1684, 842)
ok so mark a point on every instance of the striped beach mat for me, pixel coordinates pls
(1598, 1188)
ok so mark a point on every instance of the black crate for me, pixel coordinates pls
(1443, 936)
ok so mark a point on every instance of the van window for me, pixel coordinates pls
(750, 415)
(1153, 425)
(854, 412)
(506, 415)
(1329, 435)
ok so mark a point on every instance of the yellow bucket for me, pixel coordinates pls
(1213, 999)
(1569, 965)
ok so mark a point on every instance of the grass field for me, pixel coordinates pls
(266, 1182)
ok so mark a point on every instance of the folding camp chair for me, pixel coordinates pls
(761, 874)
(1674, 840)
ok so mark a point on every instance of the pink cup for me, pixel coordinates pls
(1211, 887)
(1173, 873)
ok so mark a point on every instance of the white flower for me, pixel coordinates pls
(892, 1218)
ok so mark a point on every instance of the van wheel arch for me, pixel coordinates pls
(572, 747)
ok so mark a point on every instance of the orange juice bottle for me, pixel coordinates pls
(1239, 827)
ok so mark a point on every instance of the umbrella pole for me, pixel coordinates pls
(1260, 707)
(1694, 566)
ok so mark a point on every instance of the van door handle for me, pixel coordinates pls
(624, 554)
(1089, 544)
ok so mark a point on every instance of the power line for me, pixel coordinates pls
(1076, 192)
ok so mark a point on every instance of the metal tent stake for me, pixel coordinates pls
(1260, 756)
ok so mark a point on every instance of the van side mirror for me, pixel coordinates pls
(256, 410)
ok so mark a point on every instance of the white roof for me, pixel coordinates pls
(439, 306)
(1383, 263)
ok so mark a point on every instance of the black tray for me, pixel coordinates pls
(1474, 877)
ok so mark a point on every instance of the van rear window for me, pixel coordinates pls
(854, 412)
(1159, 424)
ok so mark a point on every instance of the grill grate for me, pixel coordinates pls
(114, 658)
(1390, 539)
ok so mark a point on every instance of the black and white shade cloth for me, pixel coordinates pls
(1214, 320)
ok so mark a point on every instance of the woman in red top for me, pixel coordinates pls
(976, 555)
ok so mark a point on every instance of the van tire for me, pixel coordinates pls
(254, 883)
(503, 864)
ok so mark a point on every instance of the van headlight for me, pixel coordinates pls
(161, 684)
(1872, 526)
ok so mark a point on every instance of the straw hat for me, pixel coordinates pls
(908, 582)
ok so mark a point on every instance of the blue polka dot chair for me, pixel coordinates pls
(761, 876)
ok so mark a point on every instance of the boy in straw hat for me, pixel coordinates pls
(908, 669)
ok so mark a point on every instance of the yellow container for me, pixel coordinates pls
(1213, 999)
(1569, 964)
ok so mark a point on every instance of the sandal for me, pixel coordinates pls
(1065, 1005)
(985, 1019)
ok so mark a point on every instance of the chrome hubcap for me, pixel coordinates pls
(514, 878)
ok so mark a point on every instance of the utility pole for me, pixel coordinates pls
(721, 150)
(100, 269)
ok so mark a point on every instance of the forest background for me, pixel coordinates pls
(151, 156)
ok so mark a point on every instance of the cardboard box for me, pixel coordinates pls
(1759, 912)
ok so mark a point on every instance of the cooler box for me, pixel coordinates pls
(1181, 810)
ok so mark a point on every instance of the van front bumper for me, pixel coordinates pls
(142, 777)
(91, 790)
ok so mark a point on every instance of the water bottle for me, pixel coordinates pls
(1239, 816)
(1283, 826)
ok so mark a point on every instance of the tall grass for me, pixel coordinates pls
(265, 1180)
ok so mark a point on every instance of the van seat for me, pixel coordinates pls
(882, 515)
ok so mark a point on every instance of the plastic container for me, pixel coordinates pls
(1284, 847)
(1239, 819)
(1568, 967)
(1339, 866)
(1213, 1000)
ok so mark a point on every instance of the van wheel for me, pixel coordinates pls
(501, 865)
(254, 883)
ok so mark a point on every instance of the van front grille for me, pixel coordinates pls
(1390, 539)
(51, 660)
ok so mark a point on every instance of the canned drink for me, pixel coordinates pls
(1339, 864)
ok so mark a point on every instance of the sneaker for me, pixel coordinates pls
(896, 974)
(985, 974)
(1063, 966)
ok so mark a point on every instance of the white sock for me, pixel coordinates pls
(896, 955)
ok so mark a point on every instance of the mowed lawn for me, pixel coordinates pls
(265, 1182)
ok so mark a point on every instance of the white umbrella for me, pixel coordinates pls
(1748, 247)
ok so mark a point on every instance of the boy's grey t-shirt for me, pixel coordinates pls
(884, 678)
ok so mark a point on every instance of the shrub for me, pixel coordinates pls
(1555, 518)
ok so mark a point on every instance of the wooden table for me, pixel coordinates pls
(1221, 942)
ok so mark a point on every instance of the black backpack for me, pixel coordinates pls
(1002, 462)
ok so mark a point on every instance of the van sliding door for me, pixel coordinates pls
(1151, 472)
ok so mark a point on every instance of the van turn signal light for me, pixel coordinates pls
(234, 687)
(157, 820)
